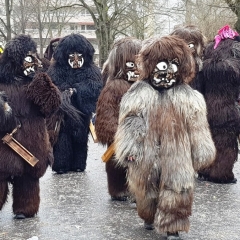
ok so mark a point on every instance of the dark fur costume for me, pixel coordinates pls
(51, 48)
(219, 82)
(124, 50)
(47, 57)
(163, 135)
(70, 150)
(25, 101)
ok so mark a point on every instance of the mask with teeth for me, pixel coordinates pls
(75, 60)
(30, 64)
(165, 74)
(132, 73)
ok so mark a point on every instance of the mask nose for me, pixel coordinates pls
(75, 57)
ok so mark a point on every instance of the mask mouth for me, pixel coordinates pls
(132, 77)
(28, 71)
(31, 64)
(163, 82)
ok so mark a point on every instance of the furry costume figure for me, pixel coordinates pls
(51, 48)
(121, 74)
(66, 107)
(26, 99)
(47, 57)
(73, 68)
(196, 41)
(163, 135)
(219, 82)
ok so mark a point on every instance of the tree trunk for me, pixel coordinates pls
(8, 21)
(104, 41)
(235, 7)
(40, 27)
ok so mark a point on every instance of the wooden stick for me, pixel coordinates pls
(93, 133)
(19, 149)
(109, 153)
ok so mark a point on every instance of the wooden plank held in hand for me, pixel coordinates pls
(93, 133)
(19, 149)
(109, 153)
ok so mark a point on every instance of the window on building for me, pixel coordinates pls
(73, 27)
(84, 12)
(87, 27)
(90, 27)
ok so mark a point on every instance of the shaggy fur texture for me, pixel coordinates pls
(167, 133)
(219, 82)
(107, 111)
(70, 150)
(29, 109)
(51, 48)
(196, 41)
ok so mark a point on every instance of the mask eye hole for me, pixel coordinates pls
(28, 59)
(130, 64)
(71, 55)
(191, 45)
(174, 67)
(162, 66)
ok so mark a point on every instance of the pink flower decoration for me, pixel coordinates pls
(224, 33)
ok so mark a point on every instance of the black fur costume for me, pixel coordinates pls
(219, 82)
(70, 149)
(25, 100)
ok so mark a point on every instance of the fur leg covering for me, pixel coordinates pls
(173, 211)
(146, 208)
(80, 150)
(117, 181)
(26, 197)
(62, 152)
(3, 192)
(221, 171)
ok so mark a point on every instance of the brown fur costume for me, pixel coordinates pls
(30, 100)
(107, 111)
(196, 41)
(163, 137)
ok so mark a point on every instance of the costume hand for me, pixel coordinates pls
(72, 91)
(4, 102)
(131, 158)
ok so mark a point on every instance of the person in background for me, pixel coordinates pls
(219, 82)
(121, 74)
(72, 69)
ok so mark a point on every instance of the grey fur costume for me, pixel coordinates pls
(168, 134)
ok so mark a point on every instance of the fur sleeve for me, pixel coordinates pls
(129, 139)
(68, 109)
(107, 110)
(202, 145)
(44, 93)
(88, 89)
